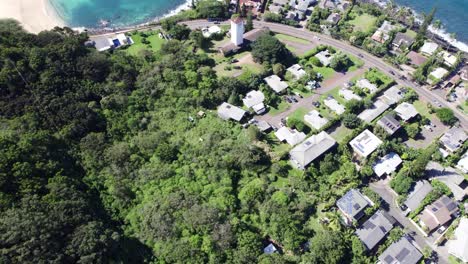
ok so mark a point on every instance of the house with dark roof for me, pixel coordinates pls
(374, 230)
(420, 191)
(401, 252)
(416, 58)
(438, 213)
(453, 139)
(402, 41)
(389, 124)
(352, 205)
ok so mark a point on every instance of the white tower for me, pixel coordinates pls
(237, 31)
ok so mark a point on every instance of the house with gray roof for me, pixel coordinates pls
(297, 71)
(324, 57)
(453, 139)
(438, 213)
(228, 111)
(450, 177)
(393, 95)
(352, 205)
(315, 120)
(374, 230)
(270, 249)
(420, 191)
(406, 111)
(402, 41)
(312, 148)
(377, 108)
(389, 124)
(275, 83)
(387, 164)
(459, 245)
(254, 99)
(401, 252)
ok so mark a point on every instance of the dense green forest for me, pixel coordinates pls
(104, 160)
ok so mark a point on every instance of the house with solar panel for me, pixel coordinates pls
(439, 213)
(365, 143)
(104, 43)
(352, 205)
(401, 251)
(375, 229)
(312, 148)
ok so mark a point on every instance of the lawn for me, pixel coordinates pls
(356, 61)
(299, 113)
(363, 22)
(411, 33)
(422, 108)
(280, 108)
(155, 43)
(326, 72)
(335, 93)
(291, 39)
(340, 133)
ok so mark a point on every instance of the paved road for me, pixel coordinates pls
(369, 59)
(382, 188)
(328, 85)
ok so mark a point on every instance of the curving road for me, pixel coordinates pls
(369, 59)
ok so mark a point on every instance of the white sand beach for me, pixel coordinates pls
(34, 15)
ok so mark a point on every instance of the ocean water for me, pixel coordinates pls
(89, 13)
(452, 13)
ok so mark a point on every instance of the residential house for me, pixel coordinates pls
(291, 15)
(393, 95)
(292, 136)
(343, 5)
(263, 126)
(449, 176)
(315, 120)
(312, 148)
(402, 41)
(270, 249)
(254, 99)
(104, 43)
(382, 34)
(439, 73)
(352, 205)
(449, 59)
(378, 107)
(420, 191)
(429, 48)
(348, 94)
(334, 18)
(209, 31)
(406, 111)
(416, 58)
(366, 85)
(438, 213)
(464, 73)
(401, 252)
(276, 83)
(297, 71)
(387, 164)
(324, 57)
(228, 111)
(389, 124)
(365, 143)
(458, 246)
(453, 139)
(375, 229)
(275, 9)
(334, 105)
(463, 163)
(253, 6)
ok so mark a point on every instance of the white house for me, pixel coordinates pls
(387, 164)
(334, 105)
(429, 48)
(324, 57)
(349, 95)
(297, 71)
(406, 111)
(367, 85)
(111, 42)
(458, 247)
(228, 111)
(292, 136)
(315, 120)
(312, 148)
(449, 59)
(463, 163)
(365, 143)
(439, 73)
(276, 83)
(254, 99)
(209, 31)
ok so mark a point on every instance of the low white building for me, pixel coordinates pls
(393, 95)
(209, 31)
(315, 120)
(387, 164)
(324, 57)
(254, 99)
(334, 105)
(406, 111)
(439, 73)
(365, 143)
(228, 111)
(463, 163)
(367, 85)
(111, 42)
(311, 149)
(458, 247)
(292, 136)
(297, 71)
(349, 95)
(449, 59)
(429, 48)
(275, 83)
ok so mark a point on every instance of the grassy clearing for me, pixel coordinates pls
(326, 72)
(299, 113)
(357, 63)
(411, 33)
(363, 22)
(155, 43)
(291, 39)
(422, 108)
(340, 133)
(279, 109)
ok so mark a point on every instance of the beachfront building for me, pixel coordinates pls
(429, 48)
(315, 120)
(104, 43)
(254, 99)
(458, 247)
(292, 136)
(275, 83)
(402, 41)
(365, 143)
(311, 149)
(387, 164)
(449, 59)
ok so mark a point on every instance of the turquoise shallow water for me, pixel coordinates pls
(452, 13)
(88, 13)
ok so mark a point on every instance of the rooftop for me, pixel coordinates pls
(253, 98)
(402, 39)
(429, 48)
(228, 111)
(416, 58)
(382, 34)
(375, 229)
(292, 136)
(353, 204)
(334, 18)
(401, 252)
(334, 105)
(420, 191)
(387, 164)
(393, 95)
(463, 163)
(310, 149)
(438, 213)
(439, 73)
(297, 71)
(378, 107)
(449, 59)
(276, 83)
(349, 95)
(406, 111)
(365, 143)
(459, 245)
(314, 119)
(453, 139)
(389, 124)
(324, 57)
(366, 84)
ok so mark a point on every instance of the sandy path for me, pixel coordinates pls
(34, 15)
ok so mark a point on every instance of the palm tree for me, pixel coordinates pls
(334, 221)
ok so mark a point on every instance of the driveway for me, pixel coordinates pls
(389, 196)
(306, 103)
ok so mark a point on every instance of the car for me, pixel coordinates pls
(288, 99)
(294, 99)
(392, 72)
(234, 60)
(283, 122)
(316, 104)
(217, 22)
(298, 94)
(441, 229)
(360, 55)
(437, 103)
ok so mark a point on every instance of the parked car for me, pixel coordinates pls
(392, 72)
(294, 99)
(316, 104)
(360, 55)
(288, 99)
(298, 94)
